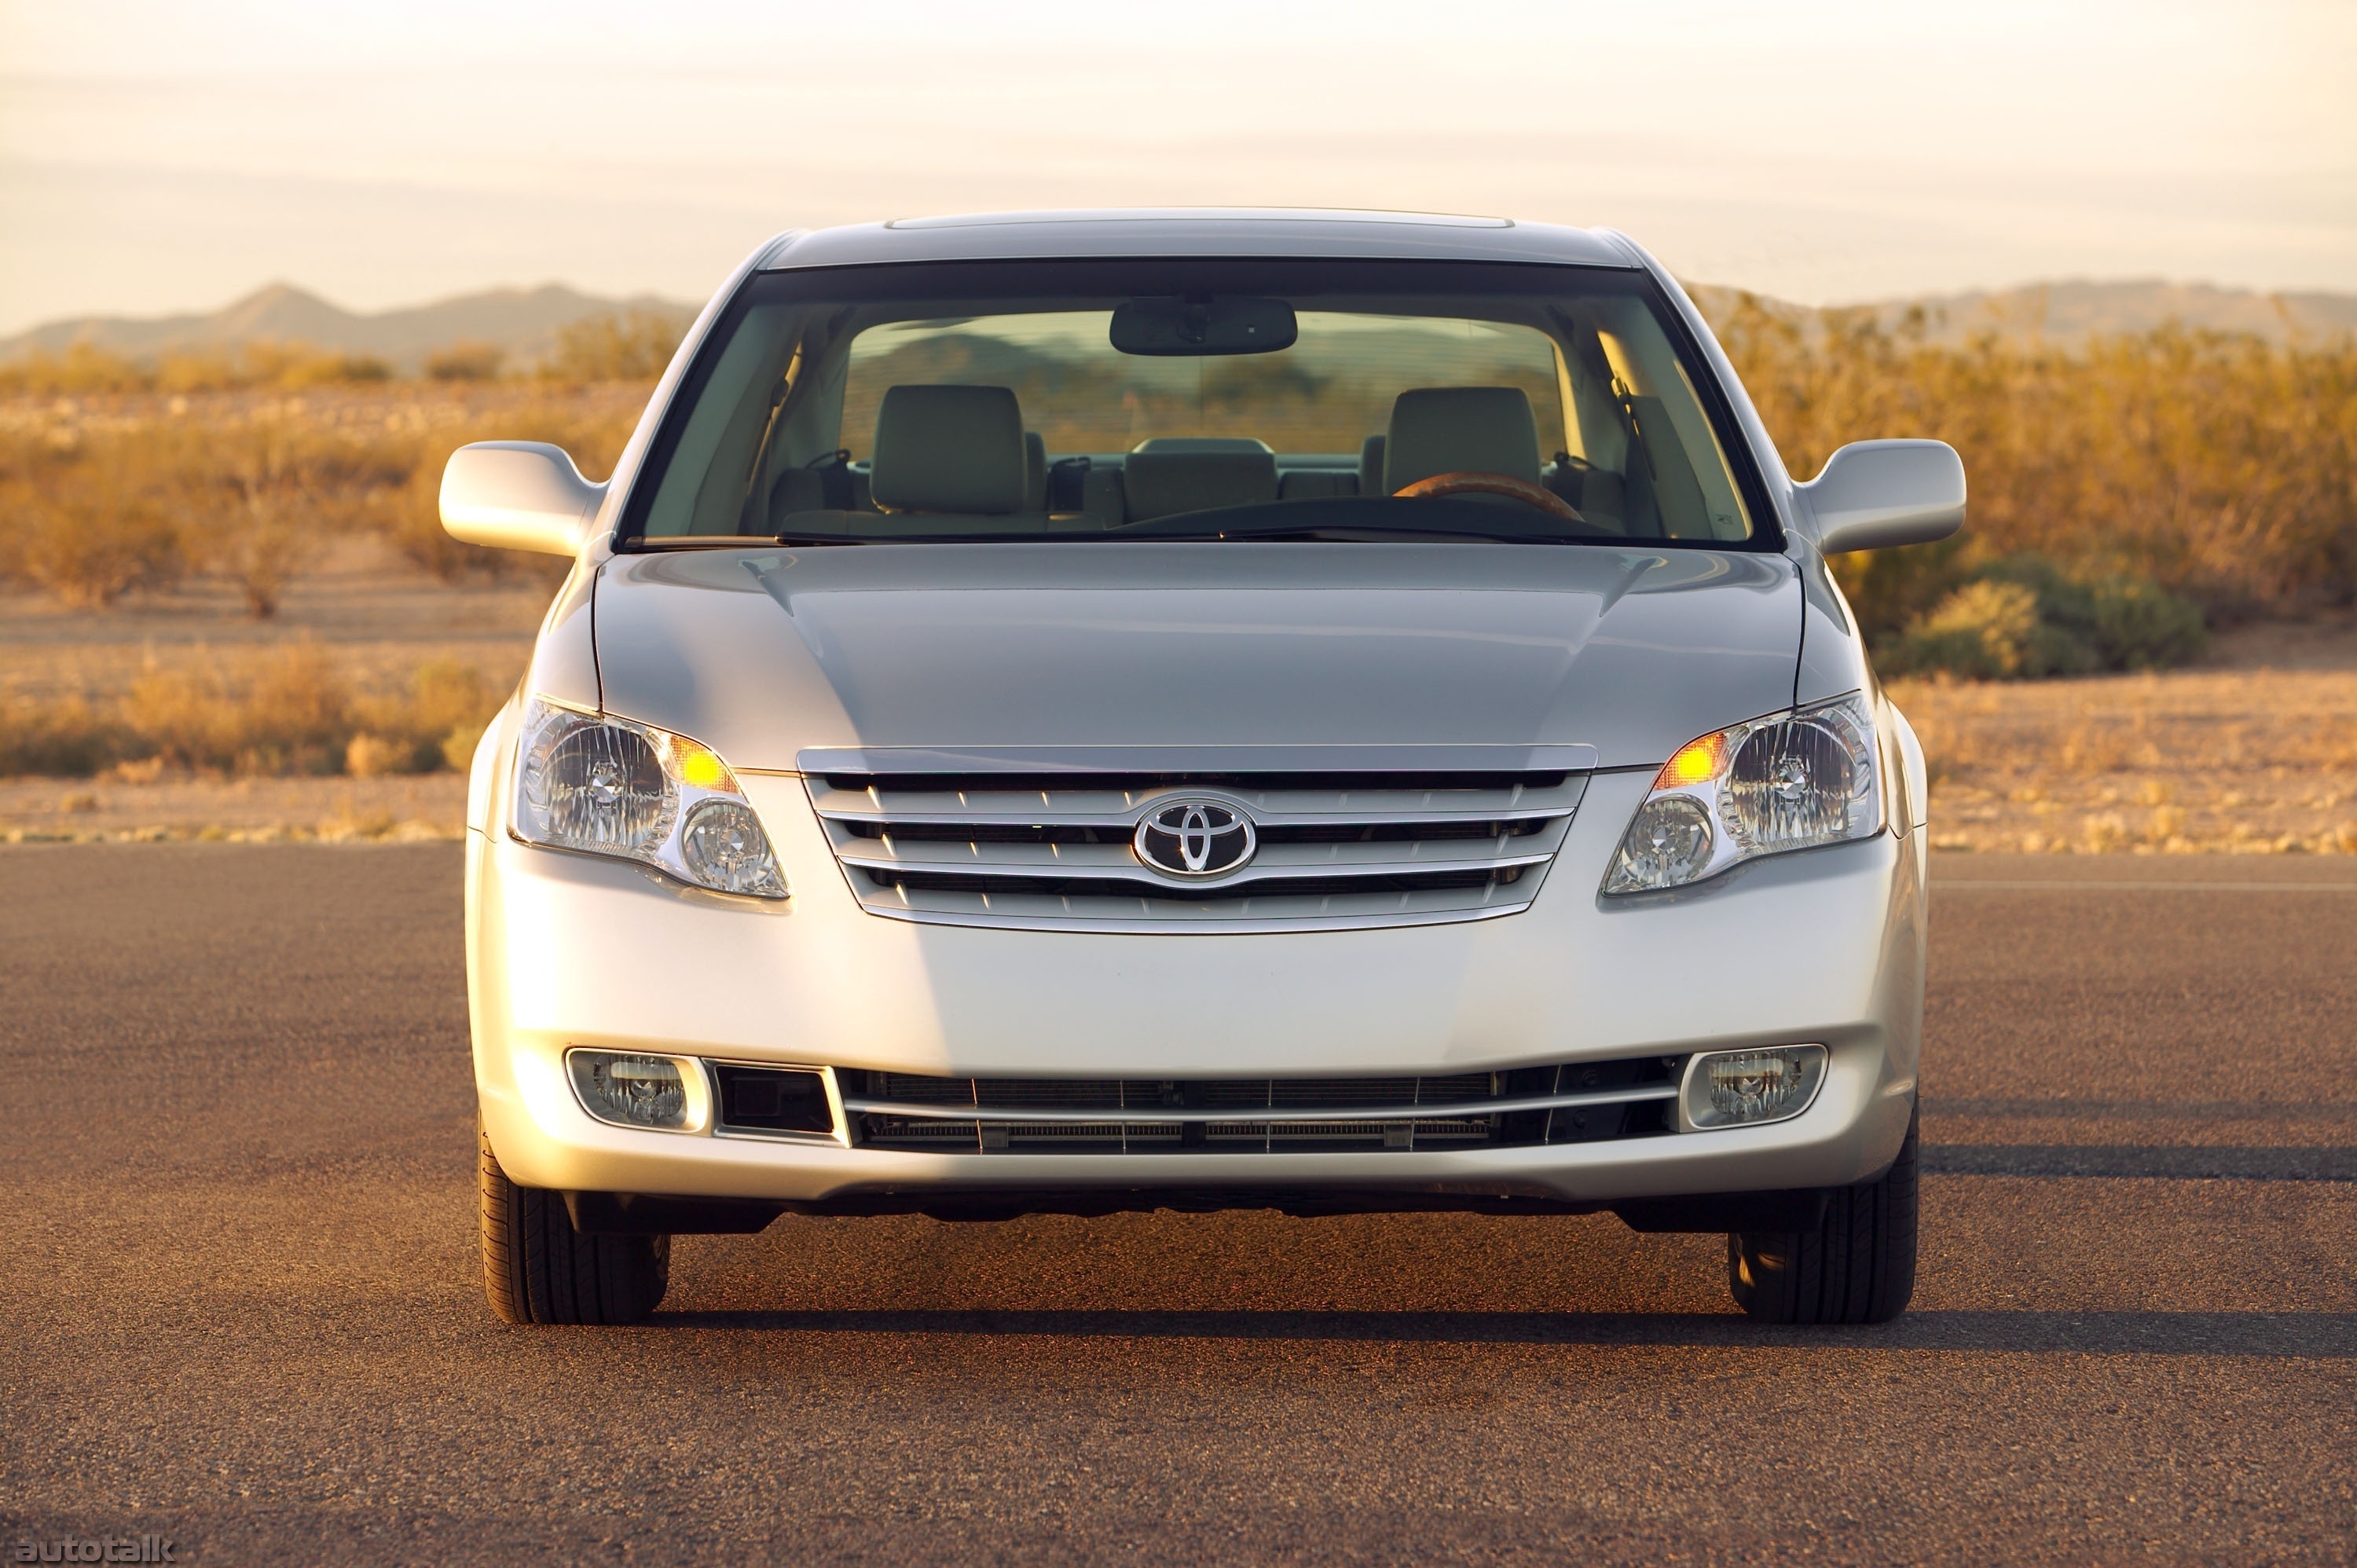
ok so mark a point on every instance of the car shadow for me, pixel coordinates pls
(2330, 1336)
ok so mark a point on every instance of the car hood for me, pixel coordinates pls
(760, 653)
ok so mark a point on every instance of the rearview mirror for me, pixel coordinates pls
(518, 495)
(1206, 324)
(1877, 495)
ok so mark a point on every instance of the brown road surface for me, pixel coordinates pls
(241, 1308)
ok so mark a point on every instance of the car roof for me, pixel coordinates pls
(1197, 231)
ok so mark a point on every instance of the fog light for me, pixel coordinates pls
(1744, 1088)
(630, 1091)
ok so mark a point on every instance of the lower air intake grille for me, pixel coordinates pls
(1581, 1103)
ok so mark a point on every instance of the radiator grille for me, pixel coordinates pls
(1368, 846)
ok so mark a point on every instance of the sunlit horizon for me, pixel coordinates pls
(152, 161)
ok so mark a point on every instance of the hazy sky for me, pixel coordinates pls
(163, 156)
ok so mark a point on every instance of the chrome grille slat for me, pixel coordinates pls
(1241, 1114)
(1376, 847)
(1581, 1101)
(1105, 866)
(906, 800)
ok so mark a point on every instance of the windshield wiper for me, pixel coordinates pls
(1359, 520)
(1027, 536)
(1339, 534)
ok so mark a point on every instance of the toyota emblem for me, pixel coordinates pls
(1194, 838)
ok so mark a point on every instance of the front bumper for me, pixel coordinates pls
(1824, 946)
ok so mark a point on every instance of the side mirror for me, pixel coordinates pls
(518, 495)
(1875, 495)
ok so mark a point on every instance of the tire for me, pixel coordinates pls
(1858, 1266)
(538, 1269)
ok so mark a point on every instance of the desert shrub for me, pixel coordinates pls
(83, 368)
(292, 366)
(197, 370)
(292, 715)
(465, 361)
(67, 738)
(289, 713)
(410, 519)
(630, 346)
(2217, 467)
(252, 493)
(254, 508)
(2066, 639)
(297, 365)
(266, 536)
(254, 497)
(87, 520)
(2024, 616)
(91, 545)
(434, 725)
(1983, 631)
(2140, 625)
(258, 499)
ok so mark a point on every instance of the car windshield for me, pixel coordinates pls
(1206, 399)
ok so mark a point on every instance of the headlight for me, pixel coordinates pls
(611, 787)
(1791, 780)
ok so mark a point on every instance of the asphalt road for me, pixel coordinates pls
(240, 1307)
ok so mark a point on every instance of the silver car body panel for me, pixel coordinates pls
(761, 653)
(1576, 977)
(1197, 231)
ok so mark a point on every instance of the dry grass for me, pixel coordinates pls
(2224, 467)
(370, 667)
(103, 498)
(244, 811)
(83, 370)
(287, 711)
(626, 346)
(2242, 760)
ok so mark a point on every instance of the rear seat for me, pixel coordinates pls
(944, 453)
(1169, 475)
(1315, 484)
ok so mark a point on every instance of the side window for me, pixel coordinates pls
(709, 475)
(1656, 464)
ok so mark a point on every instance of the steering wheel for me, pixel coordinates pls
(1475, 482)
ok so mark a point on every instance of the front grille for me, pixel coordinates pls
(1392, 838)
(1580, 1102)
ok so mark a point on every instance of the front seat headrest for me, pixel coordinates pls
(948, 449)
(1449, 430)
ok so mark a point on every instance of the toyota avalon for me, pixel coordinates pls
(1321, 711)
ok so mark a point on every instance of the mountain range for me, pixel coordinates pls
(524, 323)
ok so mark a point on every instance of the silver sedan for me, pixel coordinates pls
(1082, 712)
